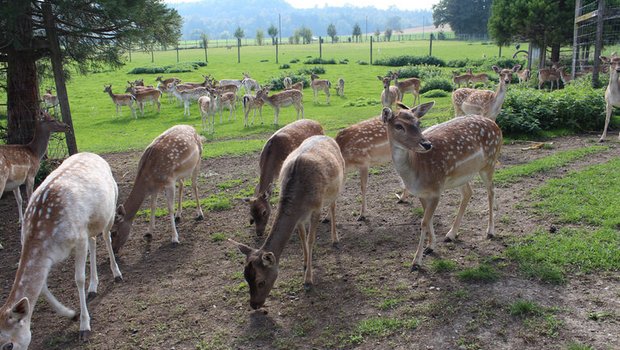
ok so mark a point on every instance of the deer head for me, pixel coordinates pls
(260, 210)
(261, 272)
(404, 126)
(505, 74)
(15, 331)
(120, 229)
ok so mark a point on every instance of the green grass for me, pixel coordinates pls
(578, 346)
(218, 237)
(379, 327)
(441, 265)
(525, 308)
(482, 273)
(514, 173)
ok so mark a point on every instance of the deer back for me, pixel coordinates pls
(364, 144)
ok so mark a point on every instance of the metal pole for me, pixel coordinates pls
(238, 50)
(430, 49)
(371, 50)
(277, 41)
(177, 53)
(320, 48)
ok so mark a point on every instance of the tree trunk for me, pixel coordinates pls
(555, 53)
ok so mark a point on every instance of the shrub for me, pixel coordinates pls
(436, 84)
(344, 61)
(315, 70)
(317, 60)
(422, 71)
(285, 66)
(295, 60)
(435, 93)
(362, 63)
(277, 83)
(407, 60)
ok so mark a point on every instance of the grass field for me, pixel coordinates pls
(98, 129)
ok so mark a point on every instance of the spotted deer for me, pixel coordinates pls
(549, 75)
(282, 99)
(121, 100)
(188, 95)
(72, 206)
(411, 85)
(364, 145)
(19, 164)
(207, 113)
(478, 78)
(145, 95)
(251, 103)
(524, 75)
(299, 86)
(275, 151)
(483, 102)
(447, 155)
(167, 81)
(223, 100)
(340, 87)
(287, 82)
(390, 94)
(312, 177)
(461, 79)
(50, 100)
(319, 84)
(249, 84)
(612, 93)
(170, 158)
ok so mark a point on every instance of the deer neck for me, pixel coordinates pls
(614, 84)
(283, 227)
(498, 98)
(113, 96)
(30, 278)
(41, 138)
(136, 197)
(405, 164)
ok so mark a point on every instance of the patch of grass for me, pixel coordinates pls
(389, 304)
(378, 327)
(514, 173)
(482, 273)
(578, 346)
(600, 315)
(229, 184)
(218, 237)
(442, 265)
(525, 308)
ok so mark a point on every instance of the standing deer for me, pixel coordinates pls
(478, 78)
(225, 100)
(319, 84)
(612, 93)
(282, 99)
(390, 94)
(188, 95)
(549, 75)
(340, 87)
(461, 79)
(287, 82)
(50, 100)
(251, 103)
(121, 100)
(72, 206)
(311, 178)
(275, 151)
(411, 85)
(364, 145)
(483, 102)
(444, 156)
(145, 95)
(207, 113)
(170, 158)
(524, 75)
(19, 164)
(249, 84)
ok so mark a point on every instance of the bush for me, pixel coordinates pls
(344, 61)
(316, 70)
(277, 83)
(285, 66)
(422, 72)
(407, 60)
(577, 107)
(436, 84)
(317, 60)
(295, 60)
(485, 63)
(362, 63)
(435, 93)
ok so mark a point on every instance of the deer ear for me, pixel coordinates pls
(242, 247)
(496, 69)
(401, 105)
(269, 259)
(516, 68)
(21, 309)
(604, 59)
(380, 77)
(120, 213)
(422, 109)
(386, 114)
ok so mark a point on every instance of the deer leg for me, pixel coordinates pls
(466, 193)
(81, 250)
(149, 234)
(363, 185)
(200, 215)
(310, 239)
(327, 93)
(18, 198)
(487, 178)
(177, 215)
(301, 106)
(94, 278)
(301, 231)
(608, 111)
(169, 191)
(277, 111)
(332, 214)
(118, 276)
(429, 205)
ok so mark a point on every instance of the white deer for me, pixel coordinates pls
(72, 206)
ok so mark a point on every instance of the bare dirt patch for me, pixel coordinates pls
(193, 296)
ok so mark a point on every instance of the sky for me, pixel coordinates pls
(381, 4)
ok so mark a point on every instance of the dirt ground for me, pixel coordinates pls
(192, 296)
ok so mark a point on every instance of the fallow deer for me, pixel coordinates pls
(207, 113)
(168, 81)
(411, 85)
(170, 158)
(444, 156)
(275, 151)
(145, 95)
(390, 94)
(249, 84)
(19, 164)
(287, 82)
(564, 76)
(282, 99)
(612, 93)
(340, 87)
(478, 78)
(461, 79)
(121, 100)
(549, 75)
(251, 103)
(299, 86)
(225, 100)
(311, 178)
(524, 75)
(188, 95)
(50, 100)
(319, 84)
(72, 206)
(364, 145)
(483, 102)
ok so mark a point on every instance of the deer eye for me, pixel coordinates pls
(8, 346)
(251, 221)
(261, 284)
(399, 127)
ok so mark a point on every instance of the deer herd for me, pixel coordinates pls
(78, 200)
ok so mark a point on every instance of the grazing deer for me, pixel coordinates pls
(311, 178)
(72, 206)
(444, 156)
(249, 84)
(524, 75)
(390, 94)
(478, 78)
(275, 151)
(549, 75)
(364, 145)
(282, 99)
(340, 87)
(411, 85)
(235, 82)
(319, 84)
(251, 103)
(50, 101)
(461, 79)
(19, 164)
(483, 102)
(170, 158)
(207, 113)
(612, 93)
(188, 95)
(121, 100)
(145, 95)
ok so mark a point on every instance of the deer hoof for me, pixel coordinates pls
(118, 279)
(76, 317)
(325, 220)
(448, 239)
(200, 217)
(490, 236)
(177, 219)
(428, 251)
(91, 296)
(336, 245)
(148, 236)
(307, 287)
(361, 218)
(415, 267)
(84, 336)
(175, 244)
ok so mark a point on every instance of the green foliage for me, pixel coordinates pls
(463, 16)
(277, 83)
(174, 68)
(380, 327)
(313, 70)
(579, 346)
(285, 66)
(482, 273)
(294, 60)
(46, 167)
(362, 102)
(577, 107)
(317, 60)
(435, 93)
(441, 265)
(525, 308)
(218, 237)
(485, 63)
(423, 71)
(436, 84)
(407, 60)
